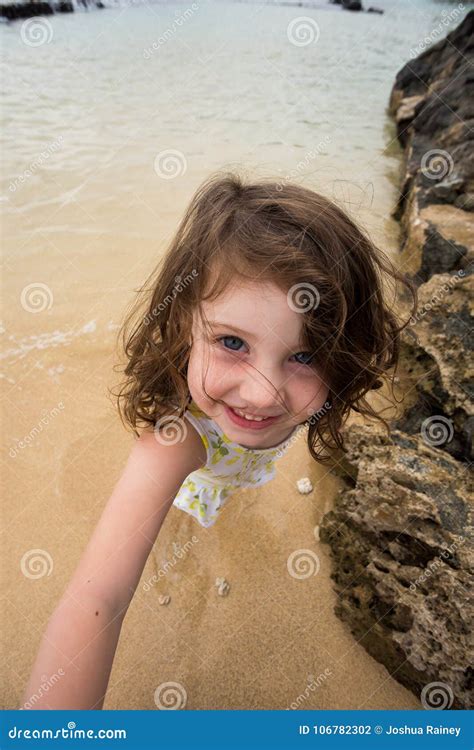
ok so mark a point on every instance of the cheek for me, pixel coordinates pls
(309, 392)
(194, 371)
(206, 368)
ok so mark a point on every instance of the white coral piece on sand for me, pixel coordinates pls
(304, 485)
(222, 586)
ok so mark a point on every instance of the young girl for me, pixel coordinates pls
(267, 316)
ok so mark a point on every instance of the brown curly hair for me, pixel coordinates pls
(281, 233)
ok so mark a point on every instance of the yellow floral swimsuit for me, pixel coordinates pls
(228, 467)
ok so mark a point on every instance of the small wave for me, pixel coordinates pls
(45, 341)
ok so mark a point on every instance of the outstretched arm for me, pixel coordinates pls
(78, 647)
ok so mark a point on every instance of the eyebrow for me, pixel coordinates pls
(249, 335)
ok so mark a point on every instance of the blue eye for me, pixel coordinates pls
(308, 355)
(305, 354)
(232, 338)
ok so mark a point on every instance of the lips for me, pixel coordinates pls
(248, 423)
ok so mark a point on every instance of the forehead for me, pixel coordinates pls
(260, 308)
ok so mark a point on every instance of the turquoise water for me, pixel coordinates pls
(91, 114)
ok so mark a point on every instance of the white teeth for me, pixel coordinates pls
(250, 419)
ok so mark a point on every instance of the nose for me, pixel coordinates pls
(259, 393)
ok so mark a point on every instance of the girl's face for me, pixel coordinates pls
(253, 352)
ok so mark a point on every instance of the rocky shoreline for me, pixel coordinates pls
(15, 11)
(355, 5)
(401, 531)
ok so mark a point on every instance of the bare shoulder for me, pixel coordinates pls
(178, 444)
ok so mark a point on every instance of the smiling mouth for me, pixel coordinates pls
(237, 416)
(247, 415)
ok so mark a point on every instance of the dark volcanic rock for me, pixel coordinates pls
(432, 102)
(351, 5)
(438, 354)
(348, 4)
(401, 535)
(14, 11)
